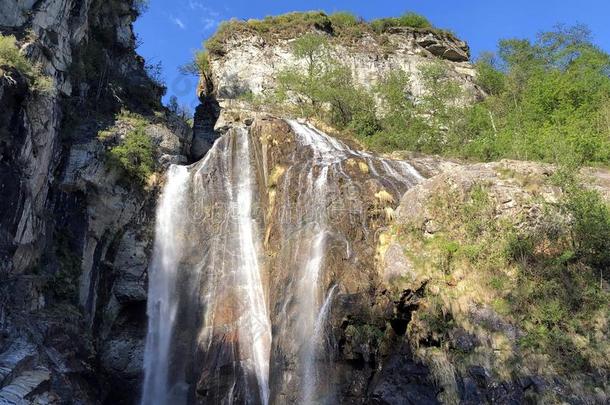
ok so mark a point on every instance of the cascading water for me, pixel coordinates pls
(217, 289)
(309, 230)
(162, 303)
(211, 204)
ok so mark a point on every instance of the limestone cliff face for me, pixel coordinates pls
(249, 63)
(74, 234)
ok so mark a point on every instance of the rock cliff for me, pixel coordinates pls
(247, 65)
(75, 231)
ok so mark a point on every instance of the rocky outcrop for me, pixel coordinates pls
(250, 63)
(474, 346)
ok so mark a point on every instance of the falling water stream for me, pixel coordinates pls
(162, 305)
(210, 324)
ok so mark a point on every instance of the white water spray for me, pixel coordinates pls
(162, 303)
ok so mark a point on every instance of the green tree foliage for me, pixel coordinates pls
(311, 47)
(326, 89)
(549, 101)
(589, 217)
(489, 77)
(134, 153)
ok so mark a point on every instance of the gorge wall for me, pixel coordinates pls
(75, 231)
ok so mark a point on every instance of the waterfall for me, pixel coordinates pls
(162, 303)
(217, 289)
(256, 329)
(210, 204)
(311, 226)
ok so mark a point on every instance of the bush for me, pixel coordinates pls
(410, 19)
(343, 20)
(589, 217)
(134, 153)
(10, 56)
(414, 20)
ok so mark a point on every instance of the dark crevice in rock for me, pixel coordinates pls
(204, 121)
(404, 308)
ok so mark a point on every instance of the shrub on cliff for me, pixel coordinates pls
(12, 57)
(132, 152)
(327, 90)
(412, 20)
(134, 155)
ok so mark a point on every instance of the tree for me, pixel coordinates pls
(312, 48)
(173, 104)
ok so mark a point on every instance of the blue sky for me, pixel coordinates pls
(171, 30)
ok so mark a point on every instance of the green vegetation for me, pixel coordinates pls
(340, 26)
(11, 56)
(327, 89)
(133, 153)
(548, 101)
(412, 20)
(559, 298)
(547, 279)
